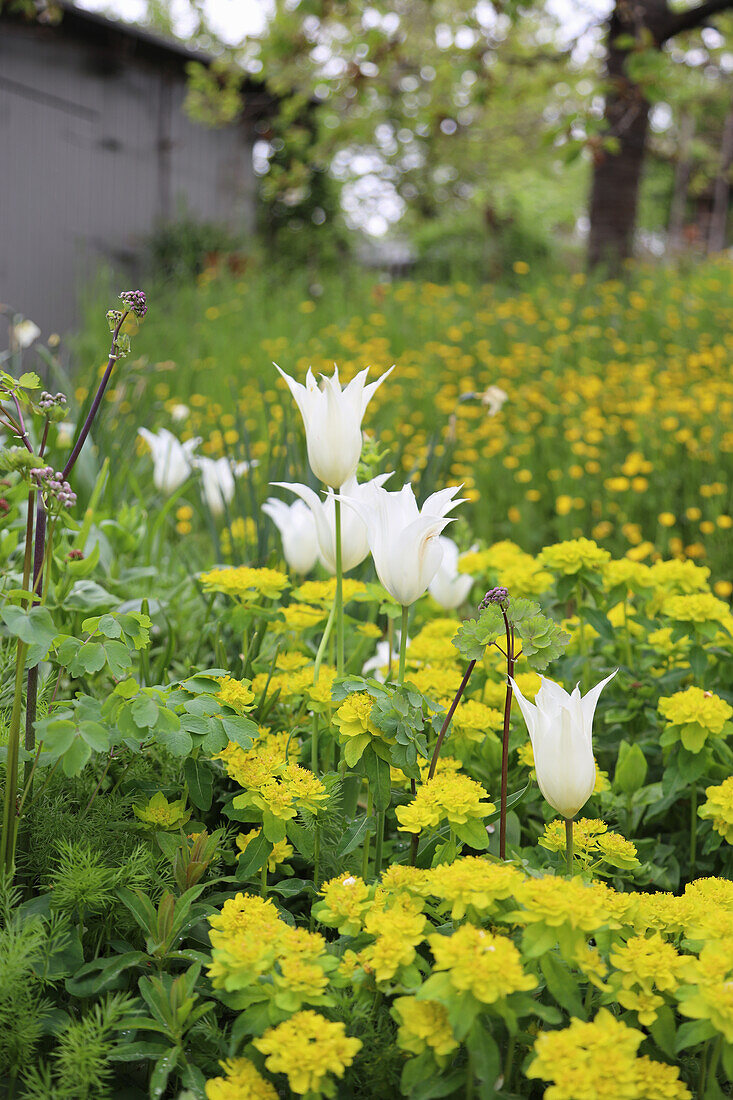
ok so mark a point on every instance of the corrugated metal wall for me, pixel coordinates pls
(92, 155)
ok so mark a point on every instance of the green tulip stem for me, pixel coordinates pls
(379, 844)
(569, 844)
(403, 646)
(339, 595)
(263, 879)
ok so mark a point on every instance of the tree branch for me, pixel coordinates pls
(694, 17)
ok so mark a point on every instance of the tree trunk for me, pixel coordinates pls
(682, 173)
(617, 173)
(719, 215)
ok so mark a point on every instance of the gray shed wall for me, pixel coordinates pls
(94, 151)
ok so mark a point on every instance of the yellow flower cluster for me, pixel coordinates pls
(592, 843)
(488, 966)
(450, 797)
(599, 1061)
(719, 808)
(642, 964)
(508, 565)
(573, 556)
(423, 1025)
(244, 582)
(694, 715)
(258, 957)
(324, 592)
(236, 694)
(356, 729)
(242, 1080)
(307, 1048)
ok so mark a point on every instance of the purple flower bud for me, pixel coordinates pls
(135, 300)
(496, 595)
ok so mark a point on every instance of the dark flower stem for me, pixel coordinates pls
(510, 660)
(71, 461)
(438, 746)
(39, 549)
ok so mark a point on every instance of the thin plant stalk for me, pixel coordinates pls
(263, 879)
(569, 845)
(403, 647)
(367, 838)
(339, 593)
(438, 745)
(510, 661)
(39, 551)
(7, 845)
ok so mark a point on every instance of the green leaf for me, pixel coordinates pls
(692, 1033)
(242, 731)
(108, 625)
(101, 974)
(162, 1071)
(377, 771)
(599, 622)
(664, 1031)
(95, 735)
(200, 783)
(118, 658)
(475, 635)
(273, 827)
(473, 833)
(562, 985)
(178, 742)
(631, 768)
(75, 757)
(144, 712)
(34, 627)
(355, 834)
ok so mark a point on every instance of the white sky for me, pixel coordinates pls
(235, 19)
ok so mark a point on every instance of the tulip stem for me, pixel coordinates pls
(403, 647)
(510, 661)
(339, 594)
(569, 844)
(379, 844)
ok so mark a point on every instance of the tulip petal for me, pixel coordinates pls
(590, 701)
(529, 710)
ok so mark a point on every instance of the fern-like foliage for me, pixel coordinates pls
(81, 1066)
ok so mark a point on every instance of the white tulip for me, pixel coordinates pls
(180, 412)
(404, 539)
(561, 730)
(172, 460)
(297, 527)
(332, 418)
(217, 480)
(448, 587)
(25, 332)
(493, 399)
(354, 540)
(380, 662)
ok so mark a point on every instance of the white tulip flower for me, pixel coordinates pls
(217, 480)
(332, 418)
(403, 539)
(561, 730)
(354, 540)
(25, 332)
(297, 527)
(172, 460)
(448, 587)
